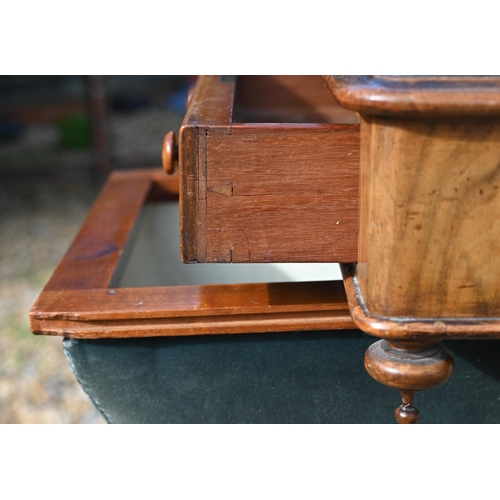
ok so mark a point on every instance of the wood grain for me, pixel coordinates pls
(434, 329)
(282, 194)
(192, 310)
(78, 302)
(211, 102)
(190, 300)
(215, 325)
(92, 258)
(428, 259)
(431, 192)
(266, 192)
(418, 96)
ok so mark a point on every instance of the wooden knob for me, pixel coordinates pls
(170, 153)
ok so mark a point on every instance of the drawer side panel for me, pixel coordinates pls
(282, 194)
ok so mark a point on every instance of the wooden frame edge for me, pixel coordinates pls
(78, 303)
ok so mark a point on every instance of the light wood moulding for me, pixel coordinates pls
(255, 189)
(433, 329)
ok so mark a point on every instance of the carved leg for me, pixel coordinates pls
(408, 366)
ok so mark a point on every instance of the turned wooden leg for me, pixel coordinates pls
(408, 366)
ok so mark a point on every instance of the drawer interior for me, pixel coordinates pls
(286, 99)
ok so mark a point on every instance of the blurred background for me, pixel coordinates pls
(60, 136)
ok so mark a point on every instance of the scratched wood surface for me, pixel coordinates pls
(211, 103)
(192, 310)
(186, 326)
(282, 193)
(80, 302)
(429, 257)
(267, 192)
(190, 300)
(410, 329)
(430, 194)
(431, 204)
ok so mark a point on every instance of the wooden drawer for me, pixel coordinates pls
(269, 172)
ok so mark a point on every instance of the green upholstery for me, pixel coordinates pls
(301, 377)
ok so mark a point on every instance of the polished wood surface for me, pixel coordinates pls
(93, 256)
(266, 192)
(413, 328)
(429, 190)
(417, 96)
(428, 255)
(80, 300)
(170, 153)
(191, 300)
(408, 369)
(184, 326)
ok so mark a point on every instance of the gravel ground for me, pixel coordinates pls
(37, 224)
(38, 221)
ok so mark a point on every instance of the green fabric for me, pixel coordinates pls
(301, 377)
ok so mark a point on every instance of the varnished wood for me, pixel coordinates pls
(211, 103)
(411, 327)
(406, 413)
(416, 96)
(265, 192)
(428, 256)
(421, 368)
(189, 95)
(79, 302)
(185, 326)
(282, 194)
(170, 153)
(408, 368)
(190, 300)
(429, 190)
(410, 361)
(93, 256)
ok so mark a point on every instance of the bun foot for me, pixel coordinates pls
(408, 366)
